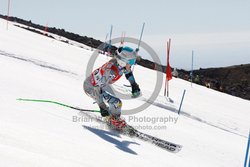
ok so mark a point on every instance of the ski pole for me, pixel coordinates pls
(105, 42)
(58, 103)
(110, 35)
(139, 43)
(140, 37)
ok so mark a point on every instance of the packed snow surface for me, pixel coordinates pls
(212, 127)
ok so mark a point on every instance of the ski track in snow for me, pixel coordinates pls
(36, 62)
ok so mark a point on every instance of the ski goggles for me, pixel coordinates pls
(123, 61)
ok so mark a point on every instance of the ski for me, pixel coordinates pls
(164, 144)
(132, 132)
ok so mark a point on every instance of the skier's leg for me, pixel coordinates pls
(115, 104)
(95, 93)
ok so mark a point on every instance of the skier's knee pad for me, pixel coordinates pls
(115, 106)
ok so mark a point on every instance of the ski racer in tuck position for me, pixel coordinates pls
(96, 85)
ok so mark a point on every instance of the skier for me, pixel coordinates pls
(96, 85)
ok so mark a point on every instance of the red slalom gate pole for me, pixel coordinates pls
(166, 91)
(166, 72)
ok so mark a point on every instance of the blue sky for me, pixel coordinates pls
(217, 30)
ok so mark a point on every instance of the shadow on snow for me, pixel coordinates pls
(109, 136)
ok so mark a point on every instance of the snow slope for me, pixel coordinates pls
(212, 127)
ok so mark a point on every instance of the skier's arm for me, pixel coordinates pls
(135, 87)
(130, 77)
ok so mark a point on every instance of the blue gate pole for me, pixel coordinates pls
(247, 151)
(181, 101)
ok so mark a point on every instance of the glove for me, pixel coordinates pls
(103, 110)
(135, 90)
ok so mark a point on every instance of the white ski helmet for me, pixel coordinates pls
(125, 55)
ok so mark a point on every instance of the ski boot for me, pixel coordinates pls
(119, 124)
(116, 122)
